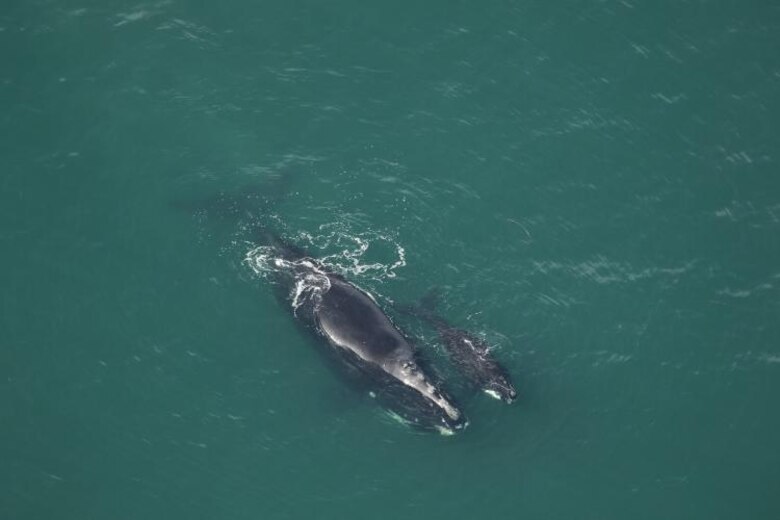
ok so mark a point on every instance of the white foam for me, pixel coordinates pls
(350, 250)
(311, 286)
(135, 16)
(337, 250)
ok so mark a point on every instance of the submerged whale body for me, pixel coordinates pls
(363, 340)
(470, 353)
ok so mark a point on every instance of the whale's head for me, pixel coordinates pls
(500, 387)
(422, 402)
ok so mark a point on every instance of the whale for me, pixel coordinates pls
(360, 337)
(471, 354)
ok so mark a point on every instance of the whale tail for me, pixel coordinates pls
(255, 200)
(249, 209)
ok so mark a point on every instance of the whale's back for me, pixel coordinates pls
(350, 319)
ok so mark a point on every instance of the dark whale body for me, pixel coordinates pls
(470, 353)
(360, 339)
(363, 340)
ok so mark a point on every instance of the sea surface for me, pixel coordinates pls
(592, 186)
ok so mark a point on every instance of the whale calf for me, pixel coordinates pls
(470, 353)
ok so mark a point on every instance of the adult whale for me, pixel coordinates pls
(470, 353)
(361, 338)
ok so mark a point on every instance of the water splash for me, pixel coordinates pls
(310, 287)
(366, 256)
(351, 253)
(310, 277)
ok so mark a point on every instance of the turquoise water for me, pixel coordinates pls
(594, 185)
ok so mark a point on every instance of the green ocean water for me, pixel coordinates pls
(593, 185)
